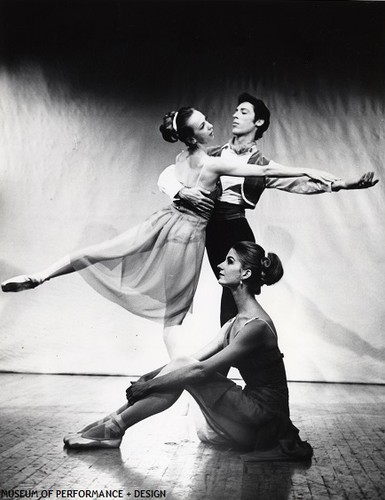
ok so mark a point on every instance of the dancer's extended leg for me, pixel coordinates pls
(27, 282)
(110, 249)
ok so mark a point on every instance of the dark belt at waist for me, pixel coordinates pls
(227, 211)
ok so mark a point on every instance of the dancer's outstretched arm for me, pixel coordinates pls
(236, 167)
(169, 185)
(366, 180)
(305, 186)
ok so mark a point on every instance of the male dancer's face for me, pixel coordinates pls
(243, 119)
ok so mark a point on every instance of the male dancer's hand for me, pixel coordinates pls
(198, 198)
(366, 180)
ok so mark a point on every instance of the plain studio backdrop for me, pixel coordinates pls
(83, 88)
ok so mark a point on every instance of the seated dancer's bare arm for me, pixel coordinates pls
(208, 350)
(252, 336)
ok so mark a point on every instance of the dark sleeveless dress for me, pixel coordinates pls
(152, 270)
(260, 409)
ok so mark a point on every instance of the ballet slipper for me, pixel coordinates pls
(112, 416)
(79, 433)
(67, 437)
(107, 440)
(20, 283)
(80, 442)
(74, 434)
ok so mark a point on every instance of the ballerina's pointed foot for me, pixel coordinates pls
(108, 434)
(80, 442)
(20, 283)
(67, 437)
(89, 427)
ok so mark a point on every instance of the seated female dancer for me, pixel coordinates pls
(253, 418)
(152, 270)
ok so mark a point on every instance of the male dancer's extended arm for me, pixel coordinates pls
(170, 186)
(304, 185)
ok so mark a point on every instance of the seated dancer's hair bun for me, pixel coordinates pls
(167, 128)
(272, 270)
(265, 269)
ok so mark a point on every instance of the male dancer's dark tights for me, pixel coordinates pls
(220, 237)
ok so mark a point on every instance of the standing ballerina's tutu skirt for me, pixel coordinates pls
(157, 269)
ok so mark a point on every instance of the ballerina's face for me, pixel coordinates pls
(230, 270)
(203, 131)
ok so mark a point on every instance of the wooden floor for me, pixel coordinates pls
(162, 456)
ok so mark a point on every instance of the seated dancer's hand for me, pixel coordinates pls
(138, 390)
(365, 181)
(198, 197)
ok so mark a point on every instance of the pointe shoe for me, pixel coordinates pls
(88, 427)
(67, 437)
(80, 442)
(20, 283)
(111, 426)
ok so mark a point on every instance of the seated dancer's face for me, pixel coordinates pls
(202, 129)
(243, 119)
(230, 270)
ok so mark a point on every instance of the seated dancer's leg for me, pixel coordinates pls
(106, 435)
(173, 339)
(110, 433)
(223, 423)
(97, 422)
(235, 419)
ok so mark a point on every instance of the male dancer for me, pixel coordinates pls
(228, 223)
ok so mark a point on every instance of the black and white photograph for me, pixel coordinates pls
(192, 259)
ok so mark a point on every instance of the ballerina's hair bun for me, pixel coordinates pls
(167, 129)
(272, 270)
(175, 126)
(265, 269)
